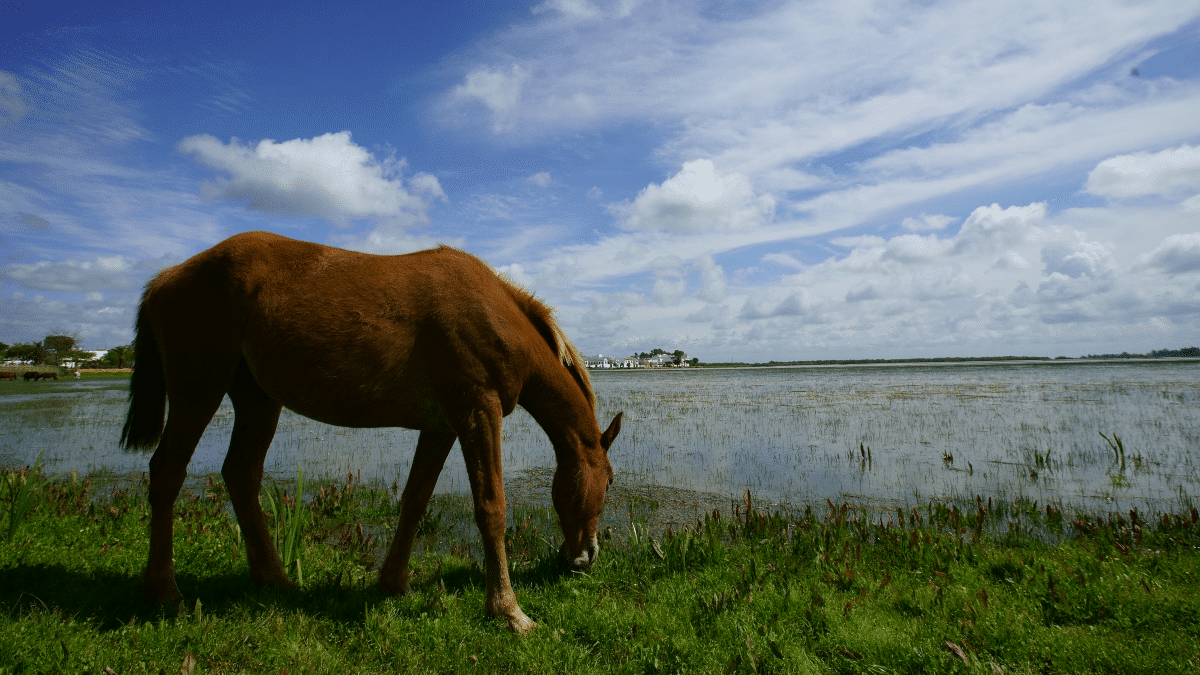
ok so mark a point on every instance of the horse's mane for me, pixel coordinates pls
(542, 318)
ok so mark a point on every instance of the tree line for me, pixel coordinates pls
(1154, 354)
(677, 356)
(54, 350)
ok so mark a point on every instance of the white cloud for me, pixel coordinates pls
(110, 273)
(697, 199)
(540, 179)
(865, 241)
(328, 176)
(766, 86)
(1177, 254)
(1144, 173)
(498, 90)
(668, 290)
(795, 305)
(712, 280)
(908, 248)
(1076, 259)
(578, 9)
(923, 222)
(991, 228)
(12, 104)
(783, 259)
(388, 239)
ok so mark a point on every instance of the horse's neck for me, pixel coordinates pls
(557, 404)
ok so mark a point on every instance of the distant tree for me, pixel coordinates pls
(24, 352)
(40, 354)
(59, 346)
(117, 357)
(695, 361)
(656, 351)
(678, 354)
(3, 349)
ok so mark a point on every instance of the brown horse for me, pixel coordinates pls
(31, 375)
(48, 376)
(8, 375)
(433, 341)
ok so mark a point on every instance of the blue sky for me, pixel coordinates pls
(743, 181)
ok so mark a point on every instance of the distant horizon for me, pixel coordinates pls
(1102, 355)
(751, 181)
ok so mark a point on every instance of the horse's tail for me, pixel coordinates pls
(147, 388)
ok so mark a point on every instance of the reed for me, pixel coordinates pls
(290, 515)
(21, 490)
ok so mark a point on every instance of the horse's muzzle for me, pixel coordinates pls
(585, 558)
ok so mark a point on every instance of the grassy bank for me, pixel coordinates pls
(961, 588)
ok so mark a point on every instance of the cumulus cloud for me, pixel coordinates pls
(914, 248)
(1144, 173)
(990, 228)
(795, 305)
(110, 273)
(1177, 254)
(540, 179)
(712, 280)
(328, 176)
(1075, 259)
(923, 223)
(697, 199)
(864, 290)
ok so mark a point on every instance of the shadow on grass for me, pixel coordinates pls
(111, 600)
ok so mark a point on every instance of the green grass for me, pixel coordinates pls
(971, 588)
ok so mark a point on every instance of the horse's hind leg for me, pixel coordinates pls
(430, 457)
(168, 468)
(255, 418)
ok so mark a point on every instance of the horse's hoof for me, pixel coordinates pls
(391, 588)
(279, 578)
(164, 595)
(519, 623)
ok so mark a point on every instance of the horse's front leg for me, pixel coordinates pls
(481, 452)
(428, 460)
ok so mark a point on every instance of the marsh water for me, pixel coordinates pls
(791, 435)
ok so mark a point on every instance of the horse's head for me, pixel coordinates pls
(578, 493)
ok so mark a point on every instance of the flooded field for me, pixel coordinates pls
(696, 438)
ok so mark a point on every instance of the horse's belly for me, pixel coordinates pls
(365, 399)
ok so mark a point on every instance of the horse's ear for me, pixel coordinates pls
(610, 434)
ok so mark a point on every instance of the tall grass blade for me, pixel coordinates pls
(21, 492)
